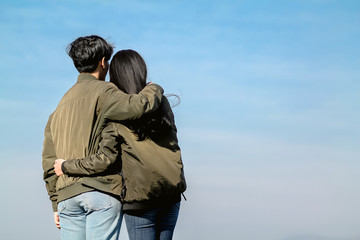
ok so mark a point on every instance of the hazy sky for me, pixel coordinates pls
(268, 121)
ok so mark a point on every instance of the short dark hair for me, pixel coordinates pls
(86, 52)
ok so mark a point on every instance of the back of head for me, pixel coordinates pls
(128, 71)
(86, 52)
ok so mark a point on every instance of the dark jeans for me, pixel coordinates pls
(154, 224)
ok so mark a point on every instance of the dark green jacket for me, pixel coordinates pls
(152, 171)
(74, 128)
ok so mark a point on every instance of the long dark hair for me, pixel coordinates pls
(128, 72)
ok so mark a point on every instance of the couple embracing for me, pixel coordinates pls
(111, 150)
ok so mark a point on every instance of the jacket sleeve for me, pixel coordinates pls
(105, 161)
(48, 159)
(121, 106)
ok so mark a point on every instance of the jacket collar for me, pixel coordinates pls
(86, 77)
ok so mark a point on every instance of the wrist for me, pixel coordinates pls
(63, 168)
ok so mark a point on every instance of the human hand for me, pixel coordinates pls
(57, 220)
(57, 166)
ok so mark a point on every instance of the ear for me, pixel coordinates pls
(102, 63)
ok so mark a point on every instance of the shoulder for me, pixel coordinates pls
(102, 85)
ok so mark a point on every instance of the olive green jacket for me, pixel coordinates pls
(74, 128)
(152, 171)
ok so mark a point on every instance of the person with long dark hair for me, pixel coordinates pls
(151, 165)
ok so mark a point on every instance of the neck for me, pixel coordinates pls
(96, 74)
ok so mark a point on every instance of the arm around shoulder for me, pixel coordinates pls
(121, 106)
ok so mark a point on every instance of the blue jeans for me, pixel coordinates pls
(91, 215)
(155, 224)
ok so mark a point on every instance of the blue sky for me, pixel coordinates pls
(268, 121)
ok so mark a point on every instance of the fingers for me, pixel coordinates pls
(57, 167)
(57, 220)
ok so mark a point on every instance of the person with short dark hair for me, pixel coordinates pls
(88, 207)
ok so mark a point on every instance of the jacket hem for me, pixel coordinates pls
(138, 206)
(72, 191)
